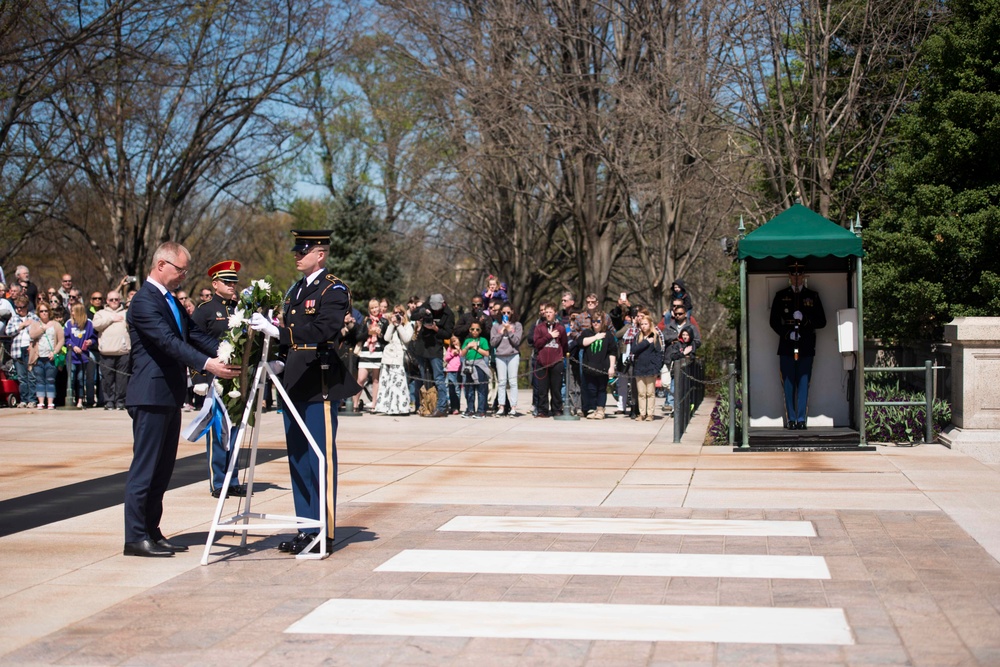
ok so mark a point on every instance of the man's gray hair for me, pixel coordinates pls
(168, 251)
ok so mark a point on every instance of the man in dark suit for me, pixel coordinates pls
(796, 313)
(164, 345)
(316, 380)
(212, 317)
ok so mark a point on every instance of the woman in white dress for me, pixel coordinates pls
(394, 392)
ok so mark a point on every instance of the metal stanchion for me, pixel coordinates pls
(567, 414)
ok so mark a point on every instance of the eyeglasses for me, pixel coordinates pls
(303, 253)
(67, 281)
(74, 297)
(591, 300)
(20, 308)
(474, 330)
(567, 298)
(51, 292)
(97, 298)
(182, 271)
(113, 298)
(43, 310)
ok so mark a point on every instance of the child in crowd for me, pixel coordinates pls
(681, 348)
(648, 360)
(679, 291)
(80, 338)
(476, 371)
(453, 368)
(495, 290)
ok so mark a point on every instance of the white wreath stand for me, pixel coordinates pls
(241, 520)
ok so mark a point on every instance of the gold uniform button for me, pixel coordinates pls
(293, 311)
(292, 324)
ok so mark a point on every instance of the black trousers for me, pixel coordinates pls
(550, 382)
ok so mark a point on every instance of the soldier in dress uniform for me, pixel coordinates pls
(315, 379)
(796, 313)
(212, 317)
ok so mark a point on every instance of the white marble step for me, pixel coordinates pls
(548, 620)
(625, 526)
(608, 563)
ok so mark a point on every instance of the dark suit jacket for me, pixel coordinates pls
(161, 354)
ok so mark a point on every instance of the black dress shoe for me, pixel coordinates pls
(236, 491)
(170, 546)
(801, 426)
(301, 546)
(147, 548)
(290, 544)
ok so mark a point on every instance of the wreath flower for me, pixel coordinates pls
(242, 346)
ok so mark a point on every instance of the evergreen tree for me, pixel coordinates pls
(932, 251)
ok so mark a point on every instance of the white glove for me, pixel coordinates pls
(276, 366)
(259, 323)
(793, 335)
(797, 314)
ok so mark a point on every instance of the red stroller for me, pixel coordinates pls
(10, 389)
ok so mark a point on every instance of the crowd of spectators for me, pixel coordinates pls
(62, 348)
(414, 357)
(574, 357)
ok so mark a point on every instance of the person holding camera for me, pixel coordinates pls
(437, 323)
(393, 394)
(369, 352)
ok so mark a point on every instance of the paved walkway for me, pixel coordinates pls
(508, 542)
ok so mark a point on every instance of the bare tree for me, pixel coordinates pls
(38, 41)
(191, 105)
(819, 81)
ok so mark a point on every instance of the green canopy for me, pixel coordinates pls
(800, 232)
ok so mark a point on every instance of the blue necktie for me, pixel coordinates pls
(175, 311)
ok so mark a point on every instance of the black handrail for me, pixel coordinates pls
(689, 391)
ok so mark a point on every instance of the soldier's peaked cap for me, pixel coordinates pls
(309, 238)
(796, 267)
(225, 271)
